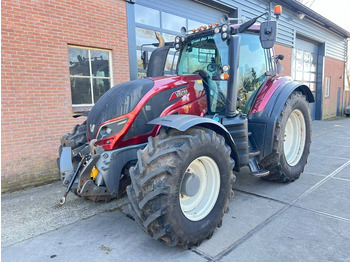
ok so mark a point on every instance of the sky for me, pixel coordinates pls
(335, 10)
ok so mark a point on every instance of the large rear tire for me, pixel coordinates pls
(181, 185)
(291, 146)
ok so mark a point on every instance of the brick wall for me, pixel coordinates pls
(287, 61)
(36, 95)
(335, 69)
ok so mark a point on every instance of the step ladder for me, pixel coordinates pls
(254, 159)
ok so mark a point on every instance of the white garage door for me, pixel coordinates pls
(305, 66)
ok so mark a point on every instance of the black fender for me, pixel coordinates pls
(184, 122)
(112, 165)
(262, 124)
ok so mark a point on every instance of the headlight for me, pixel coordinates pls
(224, 36)
(217, 30)
(224, 28)
(225, 68)
(111, 129)
(177, 39)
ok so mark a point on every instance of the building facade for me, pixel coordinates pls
(59, 57)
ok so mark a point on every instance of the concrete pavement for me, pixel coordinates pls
(307, 220)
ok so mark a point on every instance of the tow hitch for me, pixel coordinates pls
(63, 199)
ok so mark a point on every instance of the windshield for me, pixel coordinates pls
(206, 56)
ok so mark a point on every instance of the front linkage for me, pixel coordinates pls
(80, 176)
(91, 172)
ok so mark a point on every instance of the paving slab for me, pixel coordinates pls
(36, 211)
(245, 213)
(331, 150)
(110, 236)
(278, 191)
(322, 128)
(332, 197)
(344, 174)
(296, 235)
(322, 164)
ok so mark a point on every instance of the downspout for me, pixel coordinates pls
(345, 75)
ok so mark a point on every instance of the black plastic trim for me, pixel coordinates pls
(263, 124)
(184, 122)
(119, 158)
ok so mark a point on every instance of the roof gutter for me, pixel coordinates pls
(297, 6)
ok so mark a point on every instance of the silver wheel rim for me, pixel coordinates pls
(294, 137)
(198, 206)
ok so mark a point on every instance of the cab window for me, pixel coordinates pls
(252, 70)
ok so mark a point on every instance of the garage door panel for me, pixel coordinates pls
(305, 56)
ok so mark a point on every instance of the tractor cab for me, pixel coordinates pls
(233, 60)
(208, 56)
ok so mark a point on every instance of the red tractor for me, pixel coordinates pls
(179, 138)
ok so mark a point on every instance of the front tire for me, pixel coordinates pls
(181, 185)
(291, 146)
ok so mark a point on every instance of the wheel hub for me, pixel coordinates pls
(190, 184)
(199, 188)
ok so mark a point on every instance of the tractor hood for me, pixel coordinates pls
(117, 101)
(120, 116)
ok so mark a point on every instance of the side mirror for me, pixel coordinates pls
(144, 58)
(268, 33)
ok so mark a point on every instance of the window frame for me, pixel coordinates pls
(327, 91)
(162, 31)
(91, 77)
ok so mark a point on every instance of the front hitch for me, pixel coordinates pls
(63, 199)
(88, 160)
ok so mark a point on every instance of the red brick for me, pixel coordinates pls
(36, 99)
(335, 69)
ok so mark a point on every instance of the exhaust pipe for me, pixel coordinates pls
(232, 85)
(158, 58)
(160, 39)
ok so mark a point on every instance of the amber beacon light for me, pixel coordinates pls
(278, 10)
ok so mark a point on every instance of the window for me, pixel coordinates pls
(90, 74)
(207, 55)
(304, 68)
(328, 87)
(148, 21)
(252, 69)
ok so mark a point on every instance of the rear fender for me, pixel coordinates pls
(184, 122)
(262, 124)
